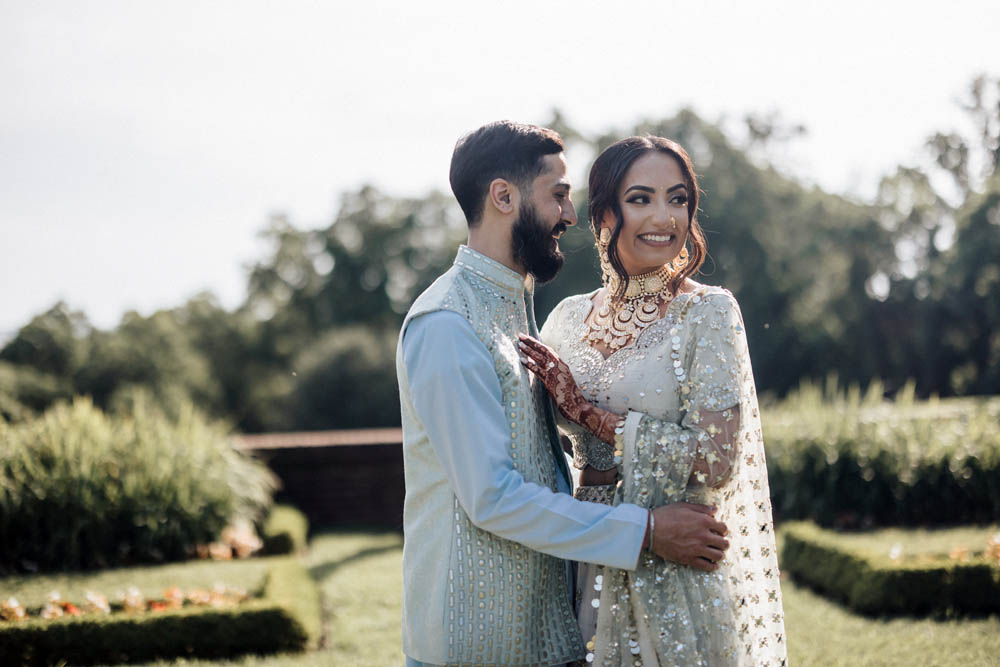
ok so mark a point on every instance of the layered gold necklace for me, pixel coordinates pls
(619, 321)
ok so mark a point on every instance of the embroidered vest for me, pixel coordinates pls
(469, 596)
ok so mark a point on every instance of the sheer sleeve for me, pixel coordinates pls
(668, 613)
(703, 449)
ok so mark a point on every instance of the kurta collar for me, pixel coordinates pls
(493, 271)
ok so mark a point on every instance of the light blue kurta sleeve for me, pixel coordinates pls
(457, 396)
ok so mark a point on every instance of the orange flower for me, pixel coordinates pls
(132, 600)
(993, 547)
(51, 611)
(97, 603)
(174, 597)
(11, 610)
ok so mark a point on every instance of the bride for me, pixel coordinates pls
(653, 375)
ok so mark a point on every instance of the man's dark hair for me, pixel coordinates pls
(507, 150)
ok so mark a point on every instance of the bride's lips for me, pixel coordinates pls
(657, 240)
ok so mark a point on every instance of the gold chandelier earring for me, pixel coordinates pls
(680, 261)
(603, 241)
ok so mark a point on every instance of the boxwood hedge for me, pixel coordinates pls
(849, 461)
(877, 585)
(285, 617)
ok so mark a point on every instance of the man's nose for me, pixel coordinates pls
(569, 213)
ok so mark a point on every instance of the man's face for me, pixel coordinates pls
(544, 214)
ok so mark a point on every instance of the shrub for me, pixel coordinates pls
(285, 531)
(347, 379)
(82, 489)
(848, 461)
(284, 618)
(873, 584)
(25, 391)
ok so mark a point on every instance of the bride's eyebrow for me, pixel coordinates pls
(643, 188)
(679, 186)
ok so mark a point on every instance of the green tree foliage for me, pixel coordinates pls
(899, 288)
(348, 376)
(50, 342)
(797, 259)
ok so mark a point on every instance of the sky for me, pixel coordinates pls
(144, 145)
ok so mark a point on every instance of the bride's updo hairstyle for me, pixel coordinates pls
(605, 180)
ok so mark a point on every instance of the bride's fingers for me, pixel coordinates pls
(529, 363)
(538, 356)
(534, 343)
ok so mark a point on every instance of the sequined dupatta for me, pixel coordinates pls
(667, 614)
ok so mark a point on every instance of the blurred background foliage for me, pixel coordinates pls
(900, 288)
(84, 488)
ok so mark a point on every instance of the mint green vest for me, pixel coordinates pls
(471, 597)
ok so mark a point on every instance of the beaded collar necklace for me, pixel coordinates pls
(619, 321)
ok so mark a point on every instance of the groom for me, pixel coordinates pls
(488, 516)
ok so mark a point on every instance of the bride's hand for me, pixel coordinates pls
(542, 360)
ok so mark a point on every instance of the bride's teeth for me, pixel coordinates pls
(657, 237)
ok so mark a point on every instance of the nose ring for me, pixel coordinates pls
(673, 223)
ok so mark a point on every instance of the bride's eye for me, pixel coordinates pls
(638, 199)
(679, 199)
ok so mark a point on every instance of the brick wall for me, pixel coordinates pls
(337, 478)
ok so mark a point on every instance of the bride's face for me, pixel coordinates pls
(653, 198)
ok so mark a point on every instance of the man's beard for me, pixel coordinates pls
(533, 245)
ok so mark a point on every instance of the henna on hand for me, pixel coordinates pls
(558, 380)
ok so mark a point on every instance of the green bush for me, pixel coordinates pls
(853, 461)
(284, 618)
(347, 379)
(82, 489)
(285, 531)
(24, 391)
(875, 585)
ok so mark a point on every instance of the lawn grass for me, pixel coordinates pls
(360, 578)
(920, 542)
(822, 633)
(33, 590)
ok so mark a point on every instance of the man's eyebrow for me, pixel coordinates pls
(563, 184)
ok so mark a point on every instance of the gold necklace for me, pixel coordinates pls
(617, 322)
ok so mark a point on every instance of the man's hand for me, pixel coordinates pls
(688, 534)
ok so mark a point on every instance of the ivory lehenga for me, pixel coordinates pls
(687, 388)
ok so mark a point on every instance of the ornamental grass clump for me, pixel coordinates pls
(83, 489)
(852, 461)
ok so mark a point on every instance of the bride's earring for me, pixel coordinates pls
(602, 252)
(681, 260)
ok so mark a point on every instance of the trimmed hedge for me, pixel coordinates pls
(876, 585)
(285, 531)
(285, 618)
(82, 489)
(851, 462)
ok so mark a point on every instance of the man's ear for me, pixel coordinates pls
(503, 196)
